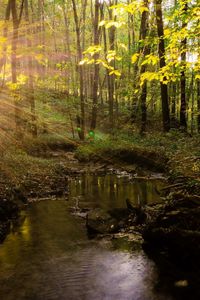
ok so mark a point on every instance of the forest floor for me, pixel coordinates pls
(175, 154)
(47, 157)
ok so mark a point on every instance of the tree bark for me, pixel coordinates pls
(5, 34)
(30, 74)
(183, 119)
(15, 20)
(161, 51)
(146, 50)
(198, 105)
(96, 66)
(111, 78)
(79, 55)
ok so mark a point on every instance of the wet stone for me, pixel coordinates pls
(100, 221)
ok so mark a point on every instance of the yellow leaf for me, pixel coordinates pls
(197, 77)
(115, 72)
(134, 58)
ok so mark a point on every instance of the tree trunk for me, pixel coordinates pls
(146, 50)
(198, 105)
(30, 74)
(111, 78)
(14, 66)
(79, 55)
(96, 67)
(173, 103)
(161, 51)
(192, 106)
(5, 34)
(183, 120)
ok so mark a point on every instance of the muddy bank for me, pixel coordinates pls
(131, 156)
(9, 210)
(174, 229)
(45, 148)
(41, 179)
(170, 228)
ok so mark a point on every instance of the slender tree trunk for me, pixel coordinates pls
(183, 118)
(30, 74)
(5, 34)
(146, 50)
(198, 105)
(14, 65)
(105, 44)
(96, 66)
(192, 106)
(14, 41)
(79, 55)
(161, 51)
(111, 78)
(66, 12)
(173, 103)
(84, 7)
(40, 36)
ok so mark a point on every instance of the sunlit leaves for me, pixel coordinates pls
(92, 50)
(134, 58)
(22, 80)
(114, 23)
(2, 40)
(122, 46)
(148, 76)
(115, 72)
(112, 55)
(150, 60)
(109, 24)
(104, 63)
(131, 8)
(39, 57)
(197, 77)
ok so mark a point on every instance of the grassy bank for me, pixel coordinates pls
(175, 153)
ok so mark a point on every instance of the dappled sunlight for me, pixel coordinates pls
(99, 149)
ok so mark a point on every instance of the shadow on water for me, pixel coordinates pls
(175, 280)
(111, 191)
(48, 256)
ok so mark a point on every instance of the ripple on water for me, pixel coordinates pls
(48, 256)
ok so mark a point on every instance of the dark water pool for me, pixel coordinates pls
(111, 191)
(48, 255)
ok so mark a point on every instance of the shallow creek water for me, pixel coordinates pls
(48, 254)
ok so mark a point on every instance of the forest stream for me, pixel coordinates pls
(49, 255)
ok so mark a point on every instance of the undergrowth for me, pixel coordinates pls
(182, 150)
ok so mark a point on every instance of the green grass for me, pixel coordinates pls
(181, 150)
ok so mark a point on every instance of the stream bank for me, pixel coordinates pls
(172, 228)
(169, 229)
(68, 263)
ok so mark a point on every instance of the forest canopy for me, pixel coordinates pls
(77, 65)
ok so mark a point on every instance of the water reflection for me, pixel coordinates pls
(48, 256)
(111, 191)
